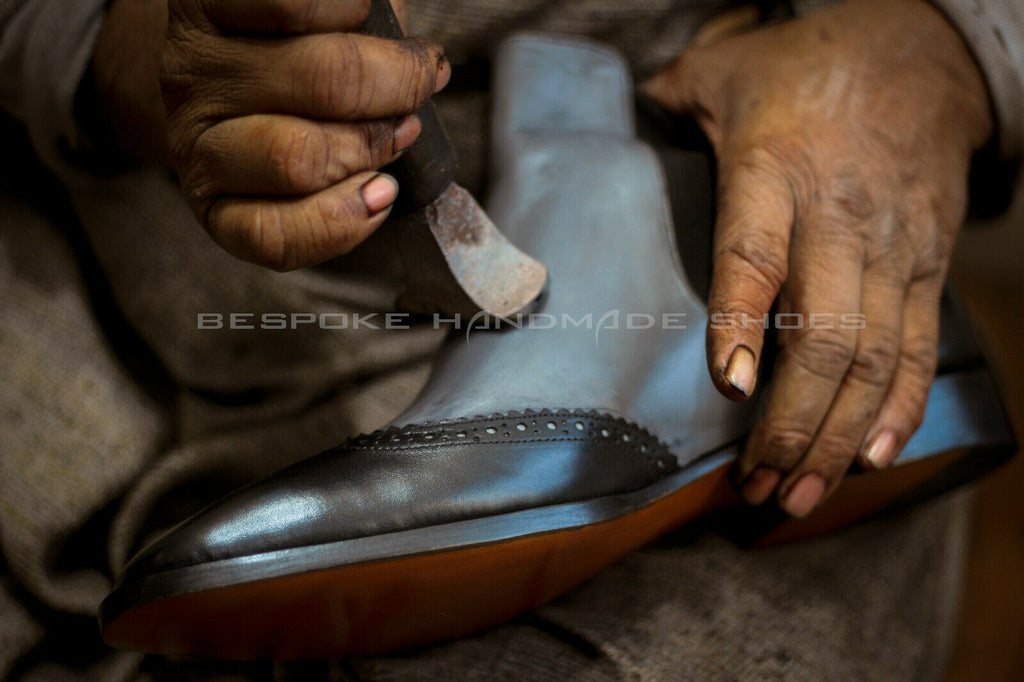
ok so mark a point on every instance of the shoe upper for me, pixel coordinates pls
(602, 389)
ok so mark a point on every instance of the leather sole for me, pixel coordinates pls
(397, 590)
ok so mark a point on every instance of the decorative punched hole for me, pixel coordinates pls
(605, 432)
(520, 427)
(579, 426)
(460, 434)
(491, 430)
(552, 426)
(625, 438)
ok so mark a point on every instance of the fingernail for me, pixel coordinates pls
(740, 372)
(444, 74)
(379, 192)
(804, 496)
(760, 485)
(406, 132)
(882, 450)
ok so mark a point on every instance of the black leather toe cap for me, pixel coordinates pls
(400, 479)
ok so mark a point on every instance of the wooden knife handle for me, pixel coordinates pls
(428, 167)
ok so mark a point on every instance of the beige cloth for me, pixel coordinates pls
(118, 417)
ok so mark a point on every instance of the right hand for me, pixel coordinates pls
(279, 114)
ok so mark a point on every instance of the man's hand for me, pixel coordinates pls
(278, 114)
(843, 141)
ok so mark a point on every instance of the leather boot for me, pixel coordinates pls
(538, 453)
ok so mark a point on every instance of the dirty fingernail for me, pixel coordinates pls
(444, 74)
(379, 192)
(406, 132)
(760, 485)
(804, 496)
(882, 450)
(740, 371)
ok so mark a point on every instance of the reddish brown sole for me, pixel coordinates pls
(379, 606)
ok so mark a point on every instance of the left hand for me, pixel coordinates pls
(843, 141)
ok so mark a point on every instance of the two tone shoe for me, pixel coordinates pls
(536, 455)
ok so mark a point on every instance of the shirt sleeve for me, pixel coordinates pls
(994, 31)
(45, 49)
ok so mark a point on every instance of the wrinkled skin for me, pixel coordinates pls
(843, 142)
(278, 114)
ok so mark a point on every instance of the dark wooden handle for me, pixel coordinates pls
(428, 167)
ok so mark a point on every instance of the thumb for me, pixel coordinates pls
(672, 87)
(693, 85)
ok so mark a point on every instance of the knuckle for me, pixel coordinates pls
(175, 80)
(919, 358)
(256, 236)
(908, 411)
(200, 185)
(341, 218)
(851, 197)
(181, 141)
(297, 158)
(784, 444)
(377, 145)
(418, 76)
(760, 257)
(932, 262)
(823, 352)
(200, 174)
(739, 312)
(265, 238)
(833, 453)
(188, 55)
(784, 158)
(337, 74)
(874, 363)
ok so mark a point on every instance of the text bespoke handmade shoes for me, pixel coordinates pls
(539, 452)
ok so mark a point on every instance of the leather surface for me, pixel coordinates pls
(620, 330)
(400, 479)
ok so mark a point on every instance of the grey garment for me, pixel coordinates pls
(995, 33)
(118, 416)
(45, 47)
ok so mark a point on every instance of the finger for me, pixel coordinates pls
(287, 16)
(336, 76)
(285, 234)
(904, 406)
(812, 362)
(860, 395)
(284, 155)
(755, 218)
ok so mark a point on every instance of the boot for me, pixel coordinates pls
(539, 452)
